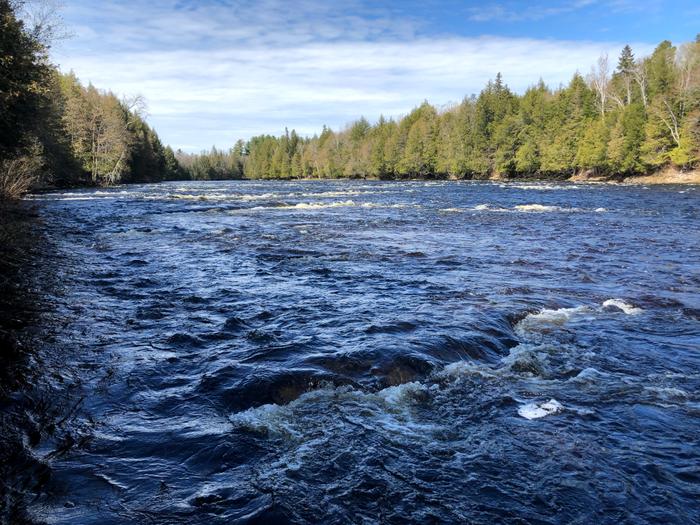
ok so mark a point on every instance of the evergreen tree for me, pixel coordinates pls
(626, 138)
(624, 74)
(591, 153)
(572, 107)
(643, 117)
(24, 81)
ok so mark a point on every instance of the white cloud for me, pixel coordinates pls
(519, 12)
(210, 81)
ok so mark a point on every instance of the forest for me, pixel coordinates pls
(54, 131)
(635, 116)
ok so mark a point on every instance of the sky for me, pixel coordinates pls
(214, 71)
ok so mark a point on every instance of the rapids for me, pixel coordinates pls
(371, 352)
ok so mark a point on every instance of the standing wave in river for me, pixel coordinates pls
(372, 352)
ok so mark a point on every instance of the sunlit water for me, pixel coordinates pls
(361, 352)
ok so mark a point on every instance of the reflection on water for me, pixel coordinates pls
(360, 352)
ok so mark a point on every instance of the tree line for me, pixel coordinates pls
(634, 117)
(54, 130)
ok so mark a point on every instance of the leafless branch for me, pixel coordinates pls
(43, 20)
(599, 79)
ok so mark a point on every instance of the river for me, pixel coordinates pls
(373, 352)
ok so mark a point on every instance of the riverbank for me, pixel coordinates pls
(25, 413)
(665, 176)
(668, 175)
(20, 241)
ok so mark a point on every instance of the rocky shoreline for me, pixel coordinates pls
(666, 176)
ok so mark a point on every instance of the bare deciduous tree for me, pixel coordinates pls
(43, 20)
(688, 67)
(640, 76)
(685, 93)
(136, 106)
(599, 80)
(19, 174)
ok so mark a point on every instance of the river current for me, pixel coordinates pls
(373, 352)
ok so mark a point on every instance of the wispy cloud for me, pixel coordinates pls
(516, 11)
(168, 24)
(215, 72)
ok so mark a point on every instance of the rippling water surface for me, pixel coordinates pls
(361, 352)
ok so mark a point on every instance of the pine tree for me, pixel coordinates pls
(625, 71)
(643, 117)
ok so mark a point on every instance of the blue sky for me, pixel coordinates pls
(215, 71)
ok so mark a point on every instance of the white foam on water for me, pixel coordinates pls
(323, 194)
(248, 197)
(527, 358)
(199, 196)
(589, 375)
(258, 197)
(266, 418)
(540, 208)
(69, 198)
(540, 186)
(540, 410)
(376, 205)
(622, 305)
(324, 205)
(529, 208)
(320, 205)
(81, 196)
(485, 207)
(402, 394)
(466, 368)
(389, 409)
(301, 206)
(667, 393)
(546, 320)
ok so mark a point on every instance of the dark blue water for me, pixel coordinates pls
(368, 352)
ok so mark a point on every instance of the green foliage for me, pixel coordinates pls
(533, 116)
(592, 147)
(660, 68)
(650, 120)
(108, 137)
(24, 82)
(53, 130)
(643, 116)
(173, 169)
(214, 164)
(626, 61)
(687, 152)
(419, 154)
(626, 138)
